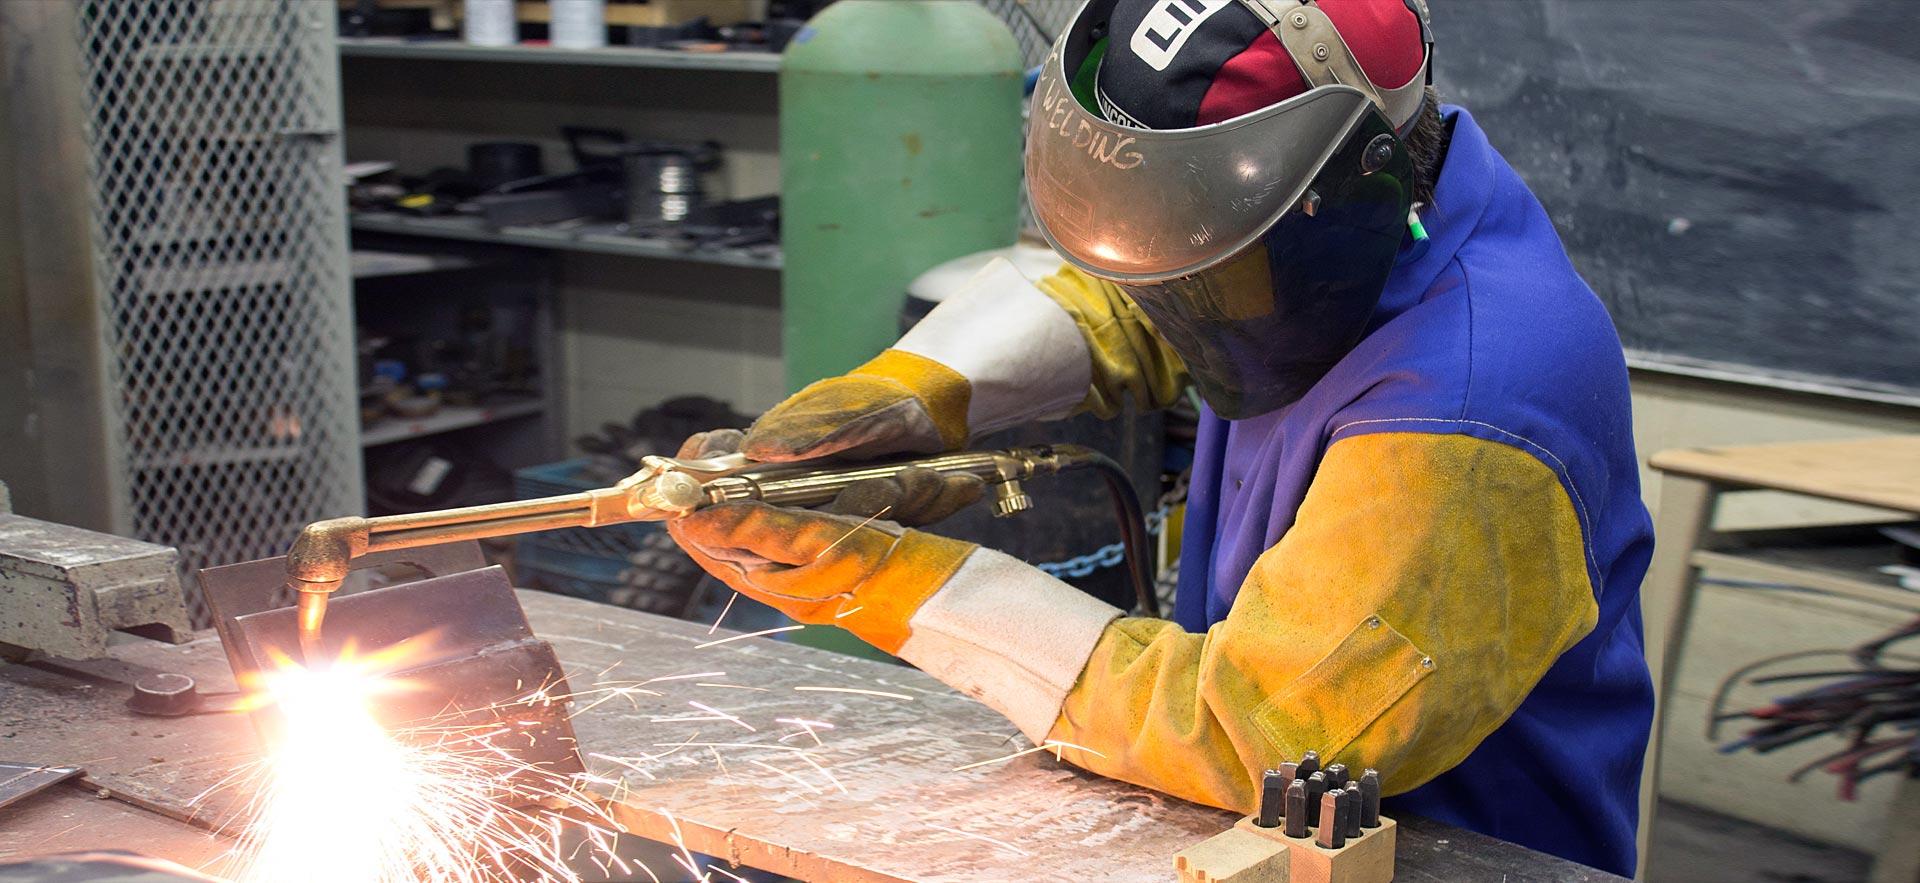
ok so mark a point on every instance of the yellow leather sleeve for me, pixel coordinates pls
(1427, 584)
(1128, 357)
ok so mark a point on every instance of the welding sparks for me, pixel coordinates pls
(854, 690)
(1053, 745)
(723, 614)
(856, 529)
(759, 634)
(338, 797)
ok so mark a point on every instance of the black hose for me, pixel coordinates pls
(1133, 530)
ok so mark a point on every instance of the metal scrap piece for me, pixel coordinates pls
(19, 781)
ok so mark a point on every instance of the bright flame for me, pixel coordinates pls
(340, 798)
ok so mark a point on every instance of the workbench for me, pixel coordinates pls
(885, 803)
(1883, 473)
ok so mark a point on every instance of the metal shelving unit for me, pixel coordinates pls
(447, 419)
(183, 205)
(610, 56)
(596, 238)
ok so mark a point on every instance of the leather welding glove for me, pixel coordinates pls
(870, 577)
(911, 497)
(1001, 352)
(1429, 580)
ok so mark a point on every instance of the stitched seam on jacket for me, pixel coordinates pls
(1357, 645)
(1559, 466)
(1466, 286)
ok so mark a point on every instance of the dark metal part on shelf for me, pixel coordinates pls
(493, 163)
(587, 200)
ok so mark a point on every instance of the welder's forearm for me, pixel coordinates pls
(1126, 358)
(1141, 712)
(1427, 584)
(1020, 356)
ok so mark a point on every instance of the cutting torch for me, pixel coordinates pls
(667, 487)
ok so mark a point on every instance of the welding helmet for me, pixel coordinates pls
(1258, 245)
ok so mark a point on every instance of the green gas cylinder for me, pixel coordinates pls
(900, 137)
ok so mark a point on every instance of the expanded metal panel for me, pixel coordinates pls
(1034, 23)
(218, 208)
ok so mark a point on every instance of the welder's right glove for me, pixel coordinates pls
(1001, 352)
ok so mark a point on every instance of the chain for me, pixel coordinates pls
(1101, 558)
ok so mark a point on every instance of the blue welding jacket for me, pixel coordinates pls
(1485, 330)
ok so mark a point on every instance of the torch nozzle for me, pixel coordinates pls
(312, 612)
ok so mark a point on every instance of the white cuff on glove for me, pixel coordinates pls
(1008, 635)
(1022, 354)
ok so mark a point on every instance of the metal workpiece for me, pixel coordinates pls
(1370, 799)
(19, 781)
(483, 671)
(662, 489)
(172, 694)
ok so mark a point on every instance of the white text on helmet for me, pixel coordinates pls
(1104, 146)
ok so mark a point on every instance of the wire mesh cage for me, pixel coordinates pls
(1034, 23)
(220, 234)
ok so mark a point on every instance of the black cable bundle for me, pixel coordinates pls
(1875, 706)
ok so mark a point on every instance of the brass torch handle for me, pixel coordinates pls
(813, 484)
(324, 551)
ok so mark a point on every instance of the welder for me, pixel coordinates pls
(1414, 539)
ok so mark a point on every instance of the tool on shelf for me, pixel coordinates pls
(666, 487)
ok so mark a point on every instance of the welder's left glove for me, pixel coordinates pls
(951, 608)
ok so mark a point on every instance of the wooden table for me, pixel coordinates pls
(1879, 472)
(885, 802)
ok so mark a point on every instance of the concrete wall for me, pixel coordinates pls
(1733, 627)
(635, 332)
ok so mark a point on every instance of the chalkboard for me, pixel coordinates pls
(1739, 180)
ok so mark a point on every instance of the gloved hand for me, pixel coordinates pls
(866, 576)
(997, 353)
(897, 402)
(913, 497)
(989, 625)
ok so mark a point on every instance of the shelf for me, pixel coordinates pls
(1841, 561)
(184, 278)
(368, 263)
(744, 61)
(447, 419)
(597, 238)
